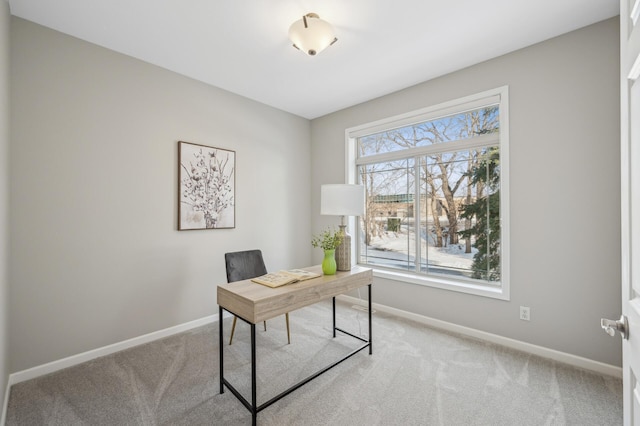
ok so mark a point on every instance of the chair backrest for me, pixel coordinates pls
(244, 265)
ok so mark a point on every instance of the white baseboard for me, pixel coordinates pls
(53, 366)
(577, 361)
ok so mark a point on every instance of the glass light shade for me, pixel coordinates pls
(311, 34)
(342, 200)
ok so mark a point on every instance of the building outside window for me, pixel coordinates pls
(436, 190)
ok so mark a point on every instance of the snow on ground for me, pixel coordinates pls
(452, 256)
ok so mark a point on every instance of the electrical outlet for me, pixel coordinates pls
(525, 313)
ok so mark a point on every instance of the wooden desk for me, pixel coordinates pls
(254, 303)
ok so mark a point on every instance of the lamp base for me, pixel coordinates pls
(343, 252)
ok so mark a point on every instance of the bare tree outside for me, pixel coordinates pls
(445, 181)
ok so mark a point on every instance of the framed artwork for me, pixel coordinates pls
(206, 187)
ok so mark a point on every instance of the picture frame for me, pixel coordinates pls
(206, 187)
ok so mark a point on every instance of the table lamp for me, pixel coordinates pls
(342, 200)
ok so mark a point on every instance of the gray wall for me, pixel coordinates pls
(565, 191)
(95, 255)
(4, 192)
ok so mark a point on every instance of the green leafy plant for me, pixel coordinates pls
(328, 239)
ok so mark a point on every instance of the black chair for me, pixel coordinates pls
(244, 265)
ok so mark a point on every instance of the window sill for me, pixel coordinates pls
(501, 293)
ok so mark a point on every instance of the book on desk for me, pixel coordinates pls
(280, 278)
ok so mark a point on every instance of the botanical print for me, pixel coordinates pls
(207, 187)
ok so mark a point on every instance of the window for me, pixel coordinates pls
(436, 190)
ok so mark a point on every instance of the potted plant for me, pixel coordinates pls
(328, 240)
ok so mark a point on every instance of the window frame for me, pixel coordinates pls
(499, 96)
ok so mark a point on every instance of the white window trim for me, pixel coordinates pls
(498, 96)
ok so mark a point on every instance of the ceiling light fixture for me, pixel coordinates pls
(311, 34)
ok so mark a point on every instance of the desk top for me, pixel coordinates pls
(256, 303)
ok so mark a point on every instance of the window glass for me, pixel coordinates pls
(442, 130)
(389, 231)
(432, 191)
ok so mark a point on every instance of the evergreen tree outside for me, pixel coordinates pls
(486, 211)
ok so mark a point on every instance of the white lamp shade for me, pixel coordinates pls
(311, 34)
(342, 200)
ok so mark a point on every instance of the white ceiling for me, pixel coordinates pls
(383, 46)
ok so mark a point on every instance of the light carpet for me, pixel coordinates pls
(416, 376)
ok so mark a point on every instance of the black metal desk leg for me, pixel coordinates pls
(221, 351)
(334, 317)
(254, 401)
(370, 327)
